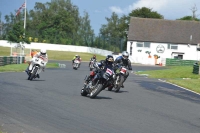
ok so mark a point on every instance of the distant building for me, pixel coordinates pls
(162, 38)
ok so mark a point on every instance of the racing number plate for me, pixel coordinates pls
(123, 70)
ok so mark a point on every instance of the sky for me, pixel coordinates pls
(99, 9)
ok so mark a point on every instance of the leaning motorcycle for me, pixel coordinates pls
(98, 83)
(92, 62)
(118, 78)
(76, 64)
(37, 65)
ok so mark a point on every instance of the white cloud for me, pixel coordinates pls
(154, 4)
(170, 9)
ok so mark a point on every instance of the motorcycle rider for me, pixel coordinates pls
(103, 65)
(43, 54)
(76, 57)
(123, 61)
(93, 58)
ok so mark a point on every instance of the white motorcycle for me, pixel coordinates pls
(76, 64)
(36, 67)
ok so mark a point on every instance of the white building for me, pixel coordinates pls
(176, 39)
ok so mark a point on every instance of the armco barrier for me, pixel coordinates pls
(6, 60)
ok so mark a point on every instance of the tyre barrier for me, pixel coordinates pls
(7, 60)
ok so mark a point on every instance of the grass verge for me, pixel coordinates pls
(57, 55)
(22, 67)
(180, 75)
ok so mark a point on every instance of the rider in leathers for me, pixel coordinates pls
(43, 54)
(103, 64)
(93, 58)
(123, 61)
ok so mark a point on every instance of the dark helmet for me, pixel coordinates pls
(125, 55)
(109, 59)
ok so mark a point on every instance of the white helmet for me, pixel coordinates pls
(43, 51)
(125, 55)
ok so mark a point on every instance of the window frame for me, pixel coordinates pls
(170, 45)
(143, 44)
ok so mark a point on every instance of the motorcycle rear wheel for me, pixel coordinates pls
(110, 88)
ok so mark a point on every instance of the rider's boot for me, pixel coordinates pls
(122, 85)
(38, 76)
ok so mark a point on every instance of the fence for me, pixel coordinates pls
(6, 60)
(178, 62)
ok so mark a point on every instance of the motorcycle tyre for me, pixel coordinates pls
(83, 92)
(120, 84)
(98, 89)
(32, 75)
(110, 88)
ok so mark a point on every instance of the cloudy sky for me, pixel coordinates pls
(99, 9)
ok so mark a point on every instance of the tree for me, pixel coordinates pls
(17, 34)
(111, 34)
(145, 12)
(193, 17)
(85, 30)
(188, 18)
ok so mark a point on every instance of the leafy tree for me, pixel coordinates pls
(145, 12)
(85, 31)
(17, 34)
(113, 33)
(188, 18)
(193, 17)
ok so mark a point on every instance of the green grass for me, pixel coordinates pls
(192, 84)
(175, 75)
(52, 55)
(58, 55)
(22, 67)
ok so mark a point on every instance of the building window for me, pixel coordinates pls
(143, 44)
(172, 46)
(139, 44)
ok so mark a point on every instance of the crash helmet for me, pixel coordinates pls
(43, 51)
(109, 59)
(125, 55)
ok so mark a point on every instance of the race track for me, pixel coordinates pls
(53, 104)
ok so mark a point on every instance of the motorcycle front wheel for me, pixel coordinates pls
(32, 75)
(83, 91)
(119, 84)
(96, 90)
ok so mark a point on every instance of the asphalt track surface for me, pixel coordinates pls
(53, 104)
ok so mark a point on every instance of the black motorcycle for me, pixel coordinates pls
(118, 78)
(98, 83)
